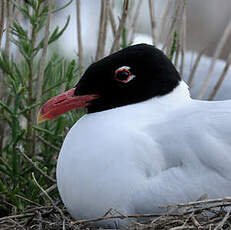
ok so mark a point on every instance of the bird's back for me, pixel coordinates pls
(195, 144)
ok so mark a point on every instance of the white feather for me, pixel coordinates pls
(139, 157)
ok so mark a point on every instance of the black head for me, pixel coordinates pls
(132, 75)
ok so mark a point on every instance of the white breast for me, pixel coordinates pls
(104, 159)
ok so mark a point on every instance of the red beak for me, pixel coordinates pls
(63, 103)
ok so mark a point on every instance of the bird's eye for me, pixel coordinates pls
(123, 74)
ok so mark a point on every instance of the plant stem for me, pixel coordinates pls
(2, 19)
(79, 36)
(221, 79)
(3, 91)
(216, 55)
(44, 51)
(134, 21)
(31, 115)
(115, 45)
(102, 30)
(152, 20)
(112, 20)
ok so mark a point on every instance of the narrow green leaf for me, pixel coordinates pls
(6, 107)
(29, 108)
(43, 130)
(63, 7)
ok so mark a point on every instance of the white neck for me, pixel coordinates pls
(157, 107)
(173, 100)
(180, 95)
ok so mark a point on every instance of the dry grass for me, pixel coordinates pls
(206, 214)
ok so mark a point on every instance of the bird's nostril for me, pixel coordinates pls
(59, 102)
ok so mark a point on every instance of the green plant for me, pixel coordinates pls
(18, 111)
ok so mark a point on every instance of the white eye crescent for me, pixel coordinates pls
(123, 74)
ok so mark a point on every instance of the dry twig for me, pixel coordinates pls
(221, 224)
(44, 51)
(163, 20)
(115, 45)
(216, 55)
(79, 36)
(134, 21)
(47, 195)
(8, 6)
(221, 79)
(50, 189)
(35, 166)
(2, 19)
(199, 202)
(112, 20)
(48, 143)
(170, 36)
(183, 37)
(204, 214)
(102, 29)
(118, 217)
(152, 20)
(195, 65)
(8, 27)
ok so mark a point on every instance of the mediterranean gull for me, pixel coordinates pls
(144, 143)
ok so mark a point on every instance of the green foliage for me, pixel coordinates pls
(18, 110)
(124, 42)
(15, 171)
(174, 45)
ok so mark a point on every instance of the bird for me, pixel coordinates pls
(143, 143)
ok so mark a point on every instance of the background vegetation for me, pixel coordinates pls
(31, 73)
(28, 79)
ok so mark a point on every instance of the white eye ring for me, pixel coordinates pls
(123, 74)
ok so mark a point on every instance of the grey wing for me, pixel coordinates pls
(200, 132)
(196, 145)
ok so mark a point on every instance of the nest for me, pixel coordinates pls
(203, 214)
